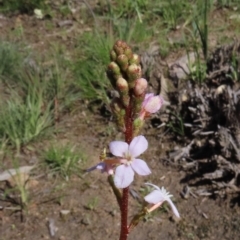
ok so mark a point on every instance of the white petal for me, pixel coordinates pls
(123, 176)
(140, 167)
(118, 148)
(155, 186)
(138, 145)
(154, 197)
(174, 209)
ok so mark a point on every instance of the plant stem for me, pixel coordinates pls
(124, 202)
(124, 215)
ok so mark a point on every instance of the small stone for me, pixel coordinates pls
(65, 212)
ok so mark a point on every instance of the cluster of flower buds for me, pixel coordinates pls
(124, 73)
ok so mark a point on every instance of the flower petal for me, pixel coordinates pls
(155, 186)
(118, 148)
(174, 209)
(123, 176)
(138, 145)
(153, 104)
(147, 96)
(140, 167)
(154, 197)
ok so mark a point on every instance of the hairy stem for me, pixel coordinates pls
(124, 215)
(124, 202)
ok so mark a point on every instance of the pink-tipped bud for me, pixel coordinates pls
(140, 86)
(133, 72)
(135, 59)
(122, 84)
(113, 55)
(122, 60)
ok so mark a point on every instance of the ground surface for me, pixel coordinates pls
(93, 211)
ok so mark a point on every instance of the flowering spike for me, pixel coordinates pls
(130, 110)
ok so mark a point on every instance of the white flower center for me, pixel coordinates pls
(128, 157)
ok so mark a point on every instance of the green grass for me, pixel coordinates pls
(227, 3)
(11, 59)
(64, 160)
(24, 119)
(89, 70)
(173, 12)
(125, 8)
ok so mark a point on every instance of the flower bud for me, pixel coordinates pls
(116, 106)
(137, 126)
(114, 68)
(135, 59)
(128, 52)
(137, 105)
(113, 55)
(122, 87)
(113, 73)
(140, 86)
(118, 113)
(122, 60)
(133, 72)
(119, 47)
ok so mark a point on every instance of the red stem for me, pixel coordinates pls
(124, 215)
(124, 201)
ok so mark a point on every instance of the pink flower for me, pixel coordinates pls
(150, 105)
(157, 197)
(124, 173)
